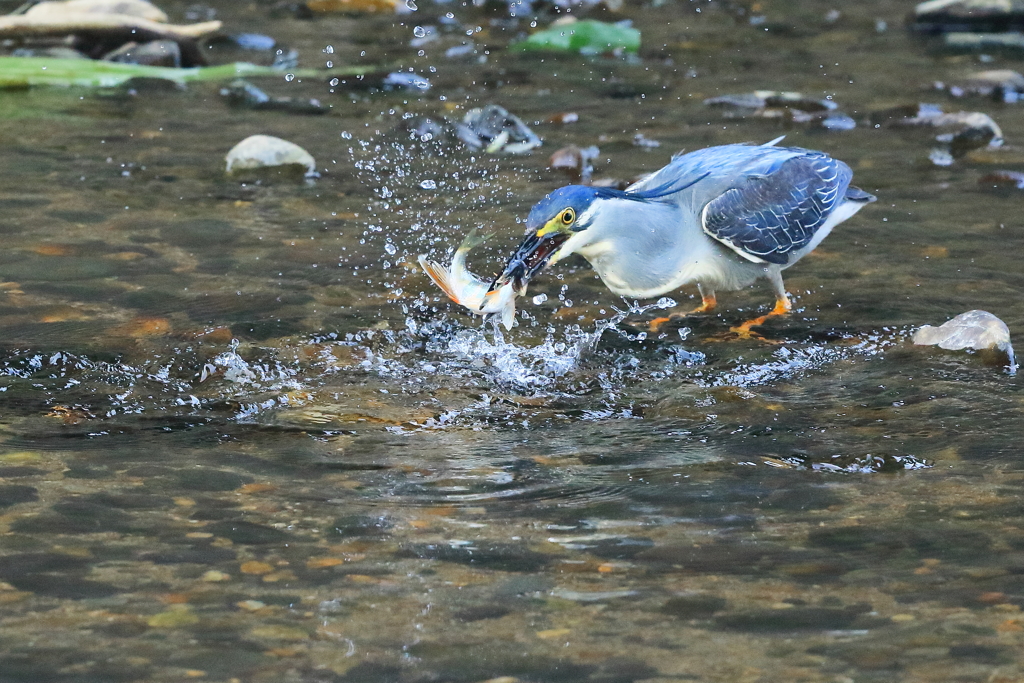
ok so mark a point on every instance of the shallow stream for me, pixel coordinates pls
(243, 437)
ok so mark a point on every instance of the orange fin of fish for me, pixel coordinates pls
(439, 274)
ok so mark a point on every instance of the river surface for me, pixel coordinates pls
(243, 437)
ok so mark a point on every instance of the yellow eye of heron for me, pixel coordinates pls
(568, 216)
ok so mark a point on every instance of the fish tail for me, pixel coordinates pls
(473, 240)
(439, 274)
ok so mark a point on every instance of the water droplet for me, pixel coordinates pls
(539, 299)
(330, 64)
(419, 31)
(665, 302)
(329, 49)
(411, 5)
(334, 82)
(289, 77)
(390, 248)
(346, 135)
(428, 185)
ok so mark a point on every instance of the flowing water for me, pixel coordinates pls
(244, 438)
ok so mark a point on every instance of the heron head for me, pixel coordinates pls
(552, 221)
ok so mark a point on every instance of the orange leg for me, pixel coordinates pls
(708, 303)
(782, 307)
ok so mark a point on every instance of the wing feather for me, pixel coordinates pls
(767, 215)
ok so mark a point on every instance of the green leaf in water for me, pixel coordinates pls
(586, 37)
(24, 72)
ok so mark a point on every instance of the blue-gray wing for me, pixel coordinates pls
(766, 217)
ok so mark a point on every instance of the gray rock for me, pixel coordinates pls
(153, 53)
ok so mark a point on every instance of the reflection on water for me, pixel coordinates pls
(244, 438)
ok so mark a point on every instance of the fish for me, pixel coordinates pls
(467, 289)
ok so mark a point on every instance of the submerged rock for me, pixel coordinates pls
(575, 162)
(790, 107)
(375, 81)
(494, 129)
(266, 152)
(1012, 41)
(50, 52)
(432, 133)
(496, 556)
(490, 128)
(98, 26)
(12, 494)
(254, 41)
(761, 99)
(1000, 179)
(1002, 85)
(153, 53)
(644, 142)
(970, 130)
(243, 94)
(978, 330)
(398, 80)
(793, 619)
(694, 605)
(941, 16)
(354, 6)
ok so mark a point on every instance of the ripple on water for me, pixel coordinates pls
(431, 377)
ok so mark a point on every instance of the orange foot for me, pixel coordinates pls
(707, 305)
(743, 331)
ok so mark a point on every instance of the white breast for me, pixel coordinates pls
(646, 250)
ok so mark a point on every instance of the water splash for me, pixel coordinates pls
(174, 381)
(789, 362)
(520, 367)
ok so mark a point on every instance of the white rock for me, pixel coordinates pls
(965, 7)
(979, 330)
(266, 151)
(133, 8)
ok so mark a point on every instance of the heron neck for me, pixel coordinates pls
(643, 248)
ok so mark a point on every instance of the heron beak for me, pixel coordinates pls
(533, 254)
